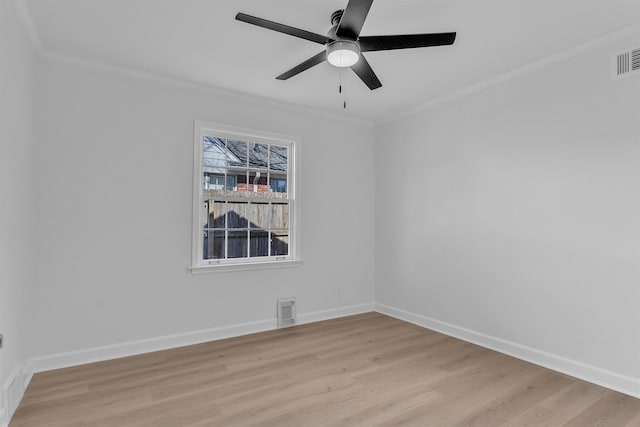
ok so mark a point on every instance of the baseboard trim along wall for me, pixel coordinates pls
(592, 374)
(98, 354)
(334, 313)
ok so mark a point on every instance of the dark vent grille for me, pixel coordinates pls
(623, 63)
(635, 60)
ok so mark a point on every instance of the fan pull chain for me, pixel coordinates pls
(344, 96)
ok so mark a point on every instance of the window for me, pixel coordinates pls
(278, 185)
(216, 182)
(244, 212)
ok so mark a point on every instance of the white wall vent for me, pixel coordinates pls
(286, 312)
(625, 63)
(11, 395)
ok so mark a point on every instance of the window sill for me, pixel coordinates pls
(266, 265)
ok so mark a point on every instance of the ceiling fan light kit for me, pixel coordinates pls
(343, 44)
(343, 53)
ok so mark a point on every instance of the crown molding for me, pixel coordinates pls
(178, 82)
(525, 69)
(46, 54)
(174, 81)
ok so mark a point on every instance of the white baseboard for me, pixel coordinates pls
(605, 378)
(615, 381)
(130, 348)
(334, 313)
(97, 354)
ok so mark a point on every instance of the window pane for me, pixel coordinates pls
(213, 184)
(216, 182)
(214, 159)
(259, 215)
(278, 186)
(240, 178)
(213, 244)
(278, 158)
(216, 211)
(258, 156)
(213, 165)
(232, 183)
(259, 243)
(280, 215)
(237, 153)
(237, 215)
(237, 244)
(257, 185)
(279, 243)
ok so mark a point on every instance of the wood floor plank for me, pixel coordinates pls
(634, 422)
(185, 387)
(502, 409)
(363, 370)
(372, 403)
(560, 407)
(614, 409)
(469, 390)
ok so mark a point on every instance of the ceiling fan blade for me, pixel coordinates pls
(407, 41)
(353, 19)
(314, 60)
(366, 74)
(281, 28)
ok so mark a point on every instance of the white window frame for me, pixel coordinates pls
(294, 258)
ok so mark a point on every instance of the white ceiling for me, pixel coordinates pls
(200, 41)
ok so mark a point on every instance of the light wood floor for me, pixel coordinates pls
(363, 370)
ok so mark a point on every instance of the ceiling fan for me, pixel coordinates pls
(344, 45)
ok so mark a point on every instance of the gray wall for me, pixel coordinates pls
(511, 215)
(114, 236)
(17, 190)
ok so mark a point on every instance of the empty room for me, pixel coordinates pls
(319, 213)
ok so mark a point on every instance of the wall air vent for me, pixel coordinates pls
(11, 394)
(626, 63)
(286, 312)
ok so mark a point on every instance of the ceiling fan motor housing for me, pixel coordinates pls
(341, 52)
